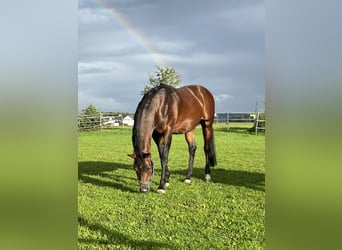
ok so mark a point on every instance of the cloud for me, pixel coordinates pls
(88, 16)
(100, 102)
(93, 68)
(221, 97)
(217, 44)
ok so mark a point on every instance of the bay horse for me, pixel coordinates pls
(163, 111)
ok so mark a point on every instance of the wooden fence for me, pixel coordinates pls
(105, 120)
(251, 121)
(235, 117)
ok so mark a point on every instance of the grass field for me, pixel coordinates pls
(227, 213)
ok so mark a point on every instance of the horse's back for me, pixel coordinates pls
(196, 100)
(196, 103)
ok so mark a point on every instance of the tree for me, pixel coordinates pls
(89, 119)
(165, 75)
(91, 110)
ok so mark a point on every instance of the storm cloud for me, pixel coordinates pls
(218, 44)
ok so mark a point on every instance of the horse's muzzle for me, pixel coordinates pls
(144, 188)
(145, 185)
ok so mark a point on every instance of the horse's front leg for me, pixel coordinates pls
(163, 142)
(164, 178)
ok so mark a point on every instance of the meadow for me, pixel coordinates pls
(227, 213)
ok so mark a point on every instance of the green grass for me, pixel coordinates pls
(227, 213)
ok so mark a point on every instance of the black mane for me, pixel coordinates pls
(146, 100)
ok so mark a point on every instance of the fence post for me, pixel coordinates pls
(258, 120)
(101, 117)
(228, 120)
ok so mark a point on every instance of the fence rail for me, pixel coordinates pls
(104, 120)
(238, 117)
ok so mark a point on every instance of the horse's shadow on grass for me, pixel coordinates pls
(117, 238)
(90, 171)
(252, 180)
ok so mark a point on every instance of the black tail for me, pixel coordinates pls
(212, 153)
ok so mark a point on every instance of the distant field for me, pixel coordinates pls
(227, 213)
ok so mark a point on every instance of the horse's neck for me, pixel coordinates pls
(145, 144)
(144, 134)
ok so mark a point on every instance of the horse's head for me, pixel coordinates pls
(144, 168)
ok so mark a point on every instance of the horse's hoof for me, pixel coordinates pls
(207, 178)
(167, 184)
(161, 191)
(187, 181)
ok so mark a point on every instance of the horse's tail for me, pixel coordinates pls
(212, 153)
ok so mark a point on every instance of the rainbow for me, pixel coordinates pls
(133, 31)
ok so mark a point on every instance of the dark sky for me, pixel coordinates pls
(217, 44)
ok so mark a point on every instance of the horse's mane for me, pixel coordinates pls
(145, 102)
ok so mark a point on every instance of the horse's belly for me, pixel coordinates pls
(185, 126)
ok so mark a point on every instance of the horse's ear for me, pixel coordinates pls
(146, 155)
(133, 156)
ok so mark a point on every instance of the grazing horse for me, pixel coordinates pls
(164, 111)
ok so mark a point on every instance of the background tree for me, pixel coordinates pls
(91, 110)
(89, 119)
(165, 75)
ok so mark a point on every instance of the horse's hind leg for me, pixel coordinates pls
(209, 147)
(190, 139)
